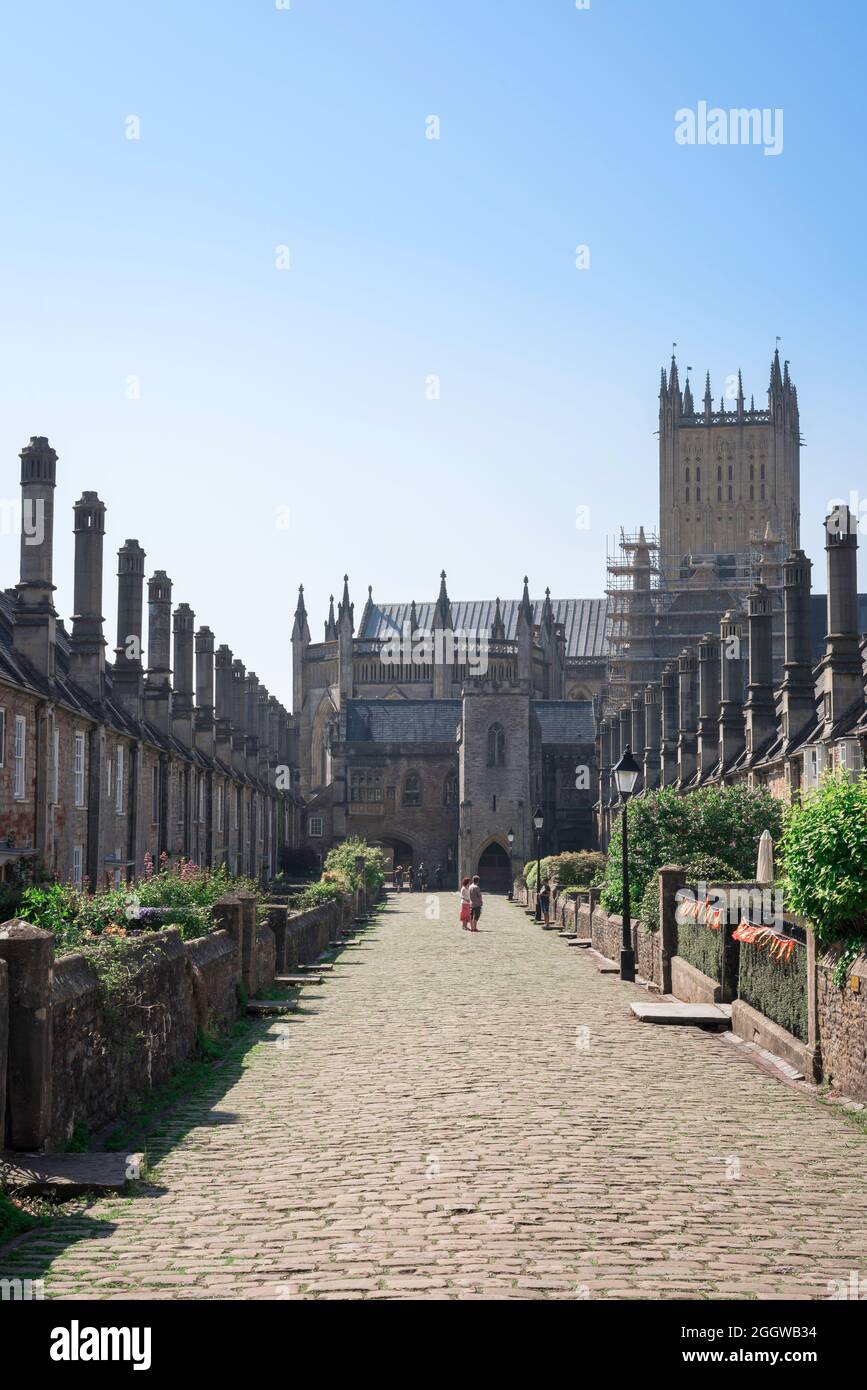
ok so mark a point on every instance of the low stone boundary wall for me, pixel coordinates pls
(842, 1025)
(75, 1053)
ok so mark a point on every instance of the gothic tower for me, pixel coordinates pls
(727, 477)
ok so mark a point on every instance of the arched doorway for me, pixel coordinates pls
(495, 869)
(396, 852)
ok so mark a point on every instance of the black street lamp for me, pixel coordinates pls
(538, 822)
(510, 836)
(626, 774)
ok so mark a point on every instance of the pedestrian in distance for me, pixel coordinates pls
(466, 909)
(438, 876)
(398, 878)
(545, 902)
(475, 903)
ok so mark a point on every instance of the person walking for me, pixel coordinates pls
(465, 906)
(398, 878)
(410, 878)
(475, 903)
(545, 902)
(422, 876)
(438, 876)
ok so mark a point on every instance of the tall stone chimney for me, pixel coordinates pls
(708, 705)
(263, 726)
(670, 720)
(732, 735)
(204, 716)
(34, 634)
(239, 737)
(183, 629)
(799, 700)
(224, 693)
(87, 644)
(637, 731)
(251, 722)
(158, 691)
(841, 678)
(652, 735)
(128, 677)
(687, 716)
(759, 710)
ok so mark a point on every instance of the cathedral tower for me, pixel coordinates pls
(727, 476)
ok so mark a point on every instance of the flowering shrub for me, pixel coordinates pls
(340, 867)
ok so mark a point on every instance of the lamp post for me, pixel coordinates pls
(510, 836)
(538, 822)
(626, 774)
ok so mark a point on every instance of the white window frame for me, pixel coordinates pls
(20, 757)
(218, 806)
(201, 799)
(78, 770)
(315, 827)
(109, 777)
(78, 866)
(155, 795)
(118, 781)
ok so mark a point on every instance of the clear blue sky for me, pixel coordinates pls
(263, 389)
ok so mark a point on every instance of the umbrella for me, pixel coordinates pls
(765, 865)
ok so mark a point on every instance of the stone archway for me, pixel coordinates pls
(495, 868)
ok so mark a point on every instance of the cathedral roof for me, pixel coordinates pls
(402, 721)
(583, 620)
(565, 721)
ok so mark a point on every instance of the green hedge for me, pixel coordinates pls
(702, 947)
(778, 989)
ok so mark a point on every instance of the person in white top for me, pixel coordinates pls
(466, 908)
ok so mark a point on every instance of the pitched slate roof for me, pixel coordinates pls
(565, 721)
(582, 618)
(402, 721)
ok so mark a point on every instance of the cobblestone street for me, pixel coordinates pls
(455, 1116)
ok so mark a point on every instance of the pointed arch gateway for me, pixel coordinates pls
(494, 867)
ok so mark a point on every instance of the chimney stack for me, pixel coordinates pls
(251, 722)
(760, 710)
(652, 735)
(87, 644)
(223, 709)
(687, 713)
(841, 676)
(668, 755)
(204, 717)
(183, 628)
(239, 741)
(158, 692)
(128, 679)
(637, 731)
(35, 616)
(799, 701)
(708, 705)
(731, 711)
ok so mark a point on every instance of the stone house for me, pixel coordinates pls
(105, 762)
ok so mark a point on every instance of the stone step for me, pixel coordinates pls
(298, 979)
(583, 941)
(67, 1175)
(607, 967)
(673, 1011)
(260, 1008)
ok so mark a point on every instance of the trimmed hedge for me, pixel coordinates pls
(778, 989)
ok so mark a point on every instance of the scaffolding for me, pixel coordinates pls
(633, 594)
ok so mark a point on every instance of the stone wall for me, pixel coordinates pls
(78, 1052)
(843, 1026)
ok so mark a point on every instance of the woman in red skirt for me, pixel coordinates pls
(466, 908)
